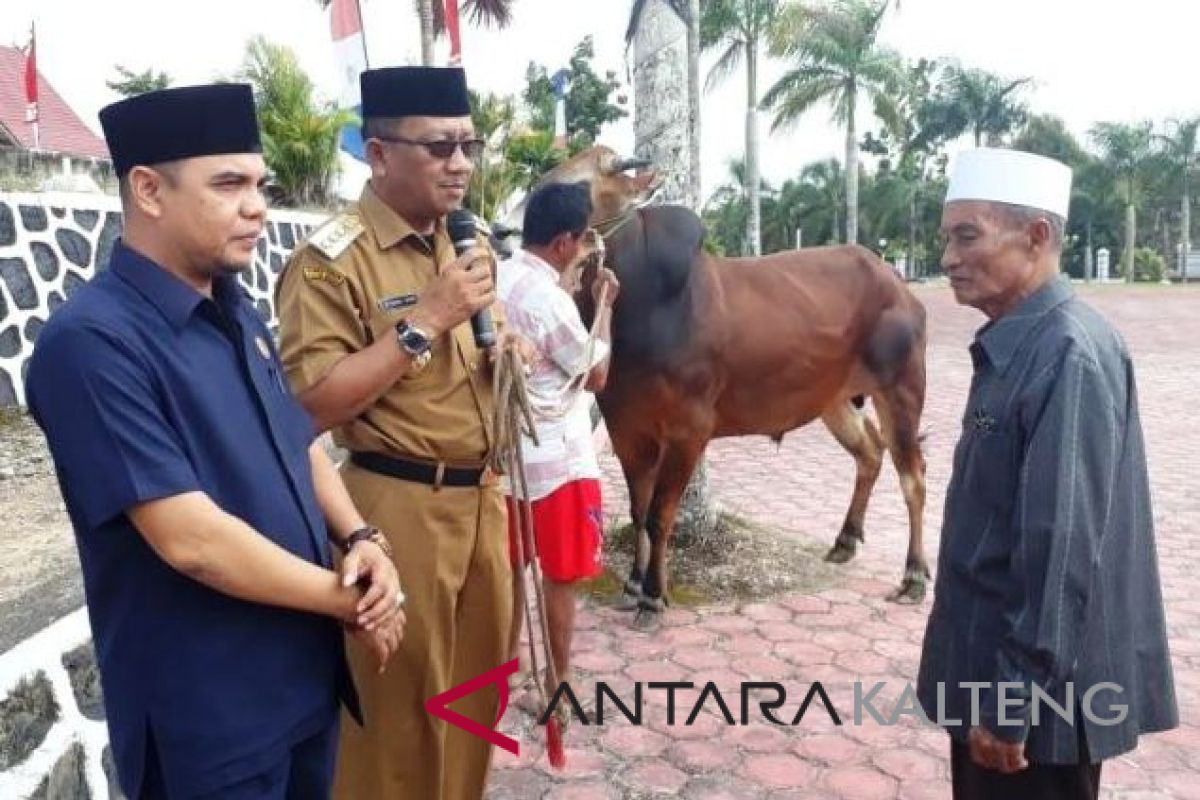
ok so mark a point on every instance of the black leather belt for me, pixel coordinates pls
(419, 471)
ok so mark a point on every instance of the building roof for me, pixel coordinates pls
(61, 130)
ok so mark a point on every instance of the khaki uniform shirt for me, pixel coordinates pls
(347, 285)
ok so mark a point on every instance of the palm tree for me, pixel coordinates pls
(1180, 150)
(738, 28)
(495, 177)
(820, 196)
(908, 142)
(666, 127)
(981, 102)
(727, 209)
(693, 44)
(664, 109)
(837, 60)
(299, 135)
(1126, 152)
(432, 16)
(425, 18)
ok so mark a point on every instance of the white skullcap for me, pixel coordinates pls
(1011, 176)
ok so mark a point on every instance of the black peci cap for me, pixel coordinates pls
(414, 92)
(183, 122)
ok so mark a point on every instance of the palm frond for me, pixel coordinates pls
(489, 13)
(726, 65)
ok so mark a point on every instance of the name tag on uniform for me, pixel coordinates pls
(397, 302)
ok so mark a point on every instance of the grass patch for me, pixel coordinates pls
(740, 561)
(10, 416)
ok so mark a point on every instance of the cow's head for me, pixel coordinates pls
(614, 190)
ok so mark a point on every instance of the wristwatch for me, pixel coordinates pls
(416, 342)
(367, 533)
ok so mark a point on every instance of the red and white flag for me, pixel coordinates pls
(349, 49)
(454, 32)
(31, 78)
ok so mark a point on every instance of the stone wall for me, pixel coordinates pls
(53, 739)
(52, 244)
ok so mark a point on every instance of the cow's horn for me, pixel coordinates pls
(622, 164)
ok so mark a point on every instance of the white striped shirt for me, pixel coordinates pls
(539, 309)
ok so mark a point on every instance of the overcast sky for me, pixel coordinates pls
(1091, 60)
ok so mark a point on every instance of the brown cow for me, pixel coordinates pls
(706, 347)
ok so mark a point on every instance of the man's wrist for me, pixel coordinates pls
(421, 318)
(366, 533)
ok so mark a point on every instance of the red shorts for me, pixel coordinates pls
(568, 524)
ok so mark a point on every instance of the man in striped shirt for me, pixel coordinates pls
(562, 471)
(1045, 651)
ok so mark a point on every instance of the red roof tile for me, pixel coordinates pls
(61, 129)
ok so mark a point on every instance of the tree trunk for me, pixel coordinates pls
(754, 219)
(1130, 241)
(425, 15)
(1088, 268)
(1164, 232)
(1185, 229)
(660, 98)
(851, 170)
(663, 126)
(693, 45)
(911, 267)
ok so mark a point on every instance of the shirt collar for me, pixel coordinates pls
(173, 298)
(539, 264)
(999, 339)
(388, 227)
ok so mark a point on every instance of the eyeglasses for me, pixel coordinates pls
(441, 148)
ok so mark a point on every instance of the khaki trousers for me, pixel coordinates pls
(451, 552)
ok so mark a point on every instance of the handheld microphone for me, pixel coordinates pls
(460, 224)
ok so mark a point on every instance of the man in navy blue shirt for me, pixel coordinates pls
(202, 506)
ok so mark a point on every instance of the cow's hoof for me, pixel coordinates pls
(628, 602)
(650, 612)
(841, 552)
(911, 590)
(631, 597)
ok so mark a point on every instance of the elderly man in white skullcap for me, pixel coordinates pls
(1046, 649)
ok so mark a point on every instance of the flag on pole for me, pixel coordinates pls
(31, 78)
(454, 32)
(350, 54)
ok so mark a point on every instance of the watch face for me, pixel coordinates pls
(416, 340)
(412, 339)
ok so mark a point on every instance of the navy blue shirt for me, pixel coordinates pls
(1048, 571)
(146, 389)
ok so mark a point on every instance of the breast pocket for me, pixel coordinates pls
(993, 468)
(385, 311)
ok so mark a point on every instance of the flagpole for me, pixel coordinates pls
(37, 137)
(362, 24)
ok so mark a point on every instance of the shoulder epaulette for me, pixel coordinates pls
(333, 237)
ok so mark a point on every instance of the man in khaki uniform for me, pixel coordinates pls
(375, 337)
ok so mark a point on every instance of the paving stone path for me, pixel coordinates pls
(849, 633)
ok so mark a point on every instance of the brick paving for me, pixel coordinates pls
(848, 632)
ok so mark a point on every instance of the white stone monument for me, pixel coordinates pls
(1102, 264)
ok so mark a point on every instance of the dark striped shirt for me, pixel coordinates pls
(1047, 572)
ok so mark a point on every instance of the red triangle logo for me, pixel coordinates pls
(438, 705)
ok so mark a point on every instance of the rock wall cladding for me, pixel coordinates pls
(51, 245)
